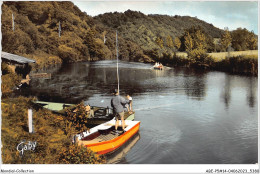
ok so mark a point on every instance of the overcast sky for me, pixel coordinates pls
(231, 14)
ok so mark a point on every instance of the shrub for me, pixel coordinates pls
(51, 133)
(9, 81)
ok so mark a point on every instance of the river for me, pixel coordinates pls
(187, 116)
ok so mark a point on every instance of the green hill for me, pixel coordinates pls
(36, 33)
(145, 29)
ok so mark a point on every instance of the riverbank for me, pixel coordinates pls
(51, 138)
(237, 64)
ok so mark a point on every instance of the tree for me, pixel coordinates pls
(252, 41)
(177, 43)
(169, 42)
(200, 40)
(243, 40)
(196, 44)
(226, 40)
(188, 41)
(159, 41)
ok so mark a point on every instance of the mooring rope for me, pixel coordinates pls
(155, 107)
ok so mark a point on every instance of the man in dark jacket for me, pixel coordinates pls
(118, 103)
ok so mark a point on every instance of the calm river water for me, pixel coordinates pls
(187, 116)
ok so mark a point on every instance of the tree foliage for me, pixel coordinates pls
(243, 40)
(159, 41)
(169, 42)
(188, 42)
(36, 33)
(226, 40)
(78, 117)
(177, 43)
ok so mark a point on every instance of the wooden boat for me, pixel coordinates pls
(103, 139)
(101, 114)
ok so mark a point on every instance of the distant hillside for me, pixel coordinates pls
(144, 29)
(82, 37)
(36, 34)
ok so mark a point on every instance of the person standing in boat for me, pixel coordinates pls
(130, 105)
(118, 103)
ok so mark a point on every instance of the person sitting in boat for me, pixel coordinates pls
(118, 103)
(160, 66)
(90, 112)
(156, 64)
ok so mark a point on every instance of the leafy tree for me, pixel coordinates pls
(243, 40)
(159, 41)
(169, 42)
(226, 40)
(188, 42)
(177, 43)
(252, 41)
(200, 40)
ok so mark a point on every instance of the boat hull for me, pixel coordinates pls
(109, 146)
(112, 145)
(158, 68)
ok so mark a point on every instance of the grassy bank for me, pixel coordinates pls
(242, 64)
(52, 135)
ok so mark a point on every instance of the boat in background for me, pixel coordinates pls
(101, 114)
(103, 139)
(158, 66)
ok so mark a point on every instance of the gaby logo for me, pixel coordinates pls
(21, 147)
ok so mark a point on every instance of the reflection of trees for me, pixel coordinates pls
(68, 84)
(251, 93)
(194, 84)
(227, 92)
(105, 79)
(78, 81)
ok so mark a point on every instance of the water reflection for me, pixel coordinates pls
(76, 82)
(251, 95)
(201, 129)
(195, 86)
(119, 156)
(226, 94)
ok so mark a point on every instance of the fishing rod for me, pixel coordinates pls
(117, 63)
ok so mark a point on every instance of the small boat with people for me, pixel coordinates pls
(158, 66)
(100, 114)
(104, 139)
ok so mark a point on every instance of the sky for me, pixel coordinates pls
(221, 14)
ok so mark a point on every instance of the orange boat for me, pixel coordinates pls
(103, 138)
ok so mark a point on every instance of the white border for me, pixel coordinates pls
(129, 168)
